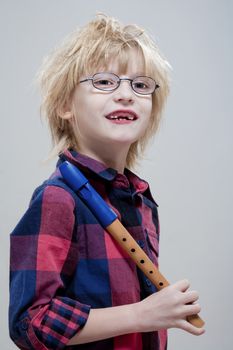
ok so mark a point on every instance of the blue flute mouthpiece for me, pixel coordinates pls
(79, 184)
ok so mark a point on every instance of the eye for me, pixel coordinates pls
(140, 85)
(104, 82)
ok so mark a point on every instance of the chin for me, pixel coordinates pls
(126, 142)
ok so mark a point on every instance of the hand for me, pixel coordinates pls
(169, 308)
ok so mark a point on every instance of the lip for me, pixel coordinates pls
(122, 112)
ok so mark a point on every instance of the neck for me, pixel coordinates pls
(112, 158)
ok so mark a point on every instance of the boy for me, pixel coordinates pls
(71, 285)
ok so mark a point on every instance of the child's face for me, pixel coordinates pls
(91, 106)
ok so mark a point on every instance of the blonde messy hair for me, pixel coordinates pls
(84, 52)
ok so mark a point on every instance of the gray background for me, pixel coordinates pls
(189, 165)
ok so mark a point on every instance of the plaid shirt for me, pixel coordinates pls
(63, 262)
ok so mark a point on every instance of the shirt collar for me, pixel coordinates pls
(87, 164)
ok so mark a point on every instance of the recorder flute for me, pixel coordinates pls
(108, 219)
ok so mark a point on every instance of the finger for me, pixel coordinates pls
(192, 309)
(190, 297)
(182, 285)
(188, 327)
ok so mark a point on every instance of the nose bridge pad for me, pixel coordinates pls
(126, 80)
(129, 87)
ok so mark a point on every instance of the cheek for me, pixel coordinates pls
(89, 106)
(148, 109)
(146, 120)
(151, 105)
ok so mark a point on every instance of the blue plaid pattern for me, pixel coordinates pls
(63, 262)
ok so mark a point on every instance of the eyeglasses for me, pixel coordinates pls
(109, 82)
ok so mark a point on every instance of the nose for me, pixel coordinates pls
(124, 93)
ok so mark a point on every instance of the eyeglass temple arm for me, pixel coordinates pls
(82, 81)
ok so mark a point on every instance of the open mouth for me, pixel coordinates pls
(113, 117)
(122, 115)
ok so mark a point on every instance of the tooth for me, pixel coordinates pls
(128, 117)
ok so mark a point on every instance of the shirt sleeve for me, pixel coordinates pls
(43, 257)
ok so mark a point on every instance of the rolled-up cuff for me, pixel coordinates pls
(55, 324)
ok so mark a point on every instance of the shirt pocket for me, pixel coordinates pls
(153, 244)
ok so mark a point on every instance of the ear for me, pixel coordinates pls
(65, 112)
(66, 115)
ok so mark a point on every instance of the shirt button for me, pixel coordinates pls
(140, 243)
(148, 282)
(25, 323)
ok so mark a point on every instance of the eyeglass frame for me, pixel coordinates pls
(119, 82)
